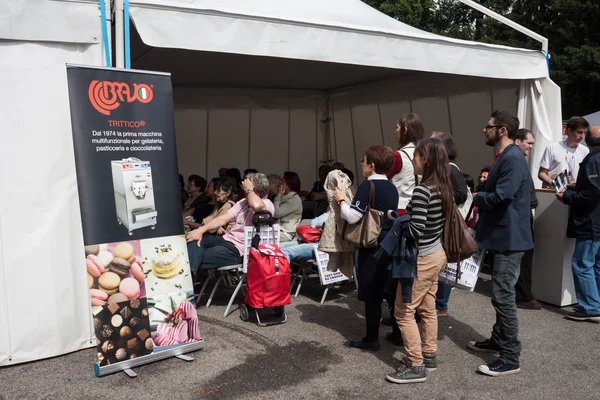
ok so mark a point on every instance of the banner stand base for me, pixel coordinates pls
(161, 354)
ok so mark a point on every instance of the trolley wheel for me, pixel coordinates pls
(278, 311)
(244, 313)
(153, 227)
(119, 221)
(130, 233)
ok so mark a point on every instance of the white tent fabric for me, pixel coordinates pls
(539, 111)
(330, 49)
(64, 21)
(274, 131)
(339, 31)
(44, 302)
(593, 119)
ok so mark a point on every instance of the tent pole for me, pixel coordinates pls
(119, 35)
(506, 21)
(127, 39)
(325, 130)
(105, 21)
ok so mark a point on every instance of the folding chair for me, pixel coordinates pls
(321, 259)
(237, 272)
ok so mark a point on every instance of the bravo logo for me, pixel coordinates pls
(107, 96)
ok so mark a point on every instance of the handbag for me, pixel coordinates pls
(457, 241)
(364, 234)
(309, 234)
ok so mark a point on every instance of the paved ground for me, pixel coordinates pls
(307, 359)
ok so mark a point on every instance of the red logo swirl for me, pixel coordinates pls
(107, 96)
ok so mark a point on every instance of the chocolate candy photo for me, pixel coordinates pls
(122, 331)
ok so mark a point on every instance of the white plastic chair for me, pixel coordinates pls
(320, 261)
(268, 235)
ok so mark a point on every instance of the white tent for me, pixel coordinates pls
(593, 118)
(267, 84)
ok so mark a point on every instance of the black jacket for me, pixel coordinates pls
(459, 185)
(584, 215)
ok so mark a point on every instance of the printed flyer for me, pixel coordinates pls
(141, 288)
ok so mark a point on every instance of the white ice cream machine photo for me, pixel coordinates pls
(134, 194)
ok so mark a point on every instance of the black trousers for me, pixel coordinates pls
(523, 286)
(372, 278)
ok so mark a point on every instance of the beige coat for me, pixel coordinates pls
(340, 252)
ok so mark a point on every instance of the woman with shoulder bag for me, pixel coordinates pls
(377, 194)
(461, 193)
(431, 203)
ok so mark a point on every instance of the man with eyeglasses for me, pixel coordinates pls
(565, 155)
(503, 230)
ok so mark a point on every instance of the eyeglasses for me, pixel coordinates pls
(488, 127)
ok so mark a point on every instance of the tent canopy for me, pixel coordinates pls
(594, 118)
(312, 44)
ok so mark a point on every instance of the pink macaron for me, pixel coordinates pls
(94, 265)
(98, 297)
(138, 272)
(130, 288)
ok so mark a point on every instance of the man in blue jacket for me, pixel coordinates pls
(584, 226)
(504, 230)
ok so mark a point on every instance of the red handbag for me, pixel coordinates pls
(308, 233)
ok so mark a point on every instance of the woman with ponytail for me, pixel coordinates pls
(431, 203)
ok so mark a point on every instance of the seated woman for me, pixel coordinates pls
(211, 252)
(201, 207)
(221, 202)
(195, 189)
(298, 252)
(288, 206)
(235, 174)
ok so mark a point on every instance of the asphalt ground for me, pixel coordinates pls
(308, 358)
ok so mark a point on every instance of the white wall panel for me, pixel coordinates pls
(505, 95)
(470, 107)
(272, 133)
(393, 102)
(366, 123)
(191, 124)
(343, 135)
(269, 129)
(303, 140)
(228, 133)
(433, 112)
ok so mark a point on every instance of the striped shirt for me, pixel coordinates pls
(427, 219)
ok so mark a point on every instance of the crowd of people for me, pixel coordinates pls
(419, 184)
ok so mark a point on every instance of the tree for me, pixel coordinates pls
(569, 25)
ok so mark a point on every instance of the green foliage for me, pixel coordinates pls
(570, 25)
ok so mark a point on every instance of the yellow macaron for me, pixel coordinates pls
(125, 251)
(109, 283)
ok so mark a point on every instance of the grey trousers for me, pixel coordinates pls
(505, 333)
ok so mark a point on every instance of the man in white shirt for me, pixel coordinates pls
(566, 154)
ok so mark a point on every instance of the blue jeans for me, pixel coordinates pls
(586, 275)
(505, 333)
(298, 252)
(443, 296)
